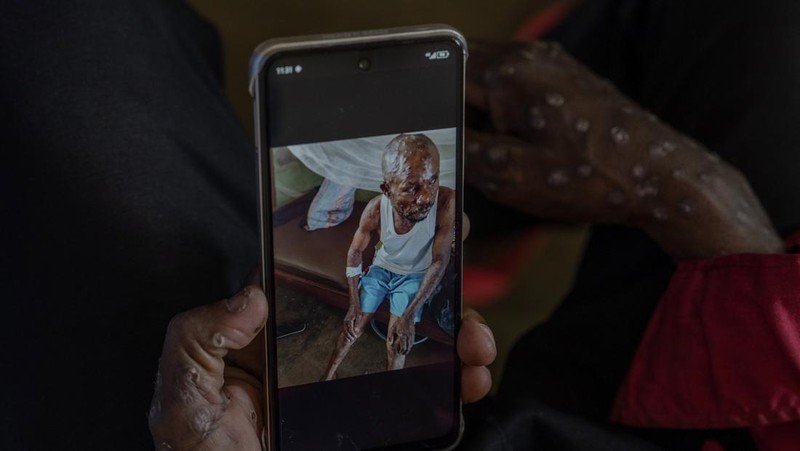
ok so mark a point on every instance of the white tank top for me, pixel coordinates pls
(411, 252)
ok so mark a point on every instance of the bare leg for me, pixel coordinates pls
(343, 345)
(394, 360)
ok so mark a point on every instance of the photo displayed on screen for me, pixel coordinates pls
(363, 234)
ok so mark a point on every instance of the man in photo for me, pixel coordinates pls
(415, 220)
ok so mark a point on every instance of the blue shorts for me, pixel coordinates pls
(378, 284)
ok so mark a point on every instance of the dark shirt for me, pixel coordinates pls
(129, 195)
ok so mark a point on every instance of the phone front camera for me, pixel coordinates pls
(364, 64)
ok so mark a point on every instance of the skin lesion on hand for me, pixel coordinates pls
(563, 144)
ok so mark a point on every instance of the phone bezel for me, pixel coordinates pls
(260, 59)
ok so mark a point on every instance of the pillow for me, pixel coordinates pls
(332, 205)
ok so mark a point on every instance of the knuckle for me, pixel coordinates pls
(180, 322)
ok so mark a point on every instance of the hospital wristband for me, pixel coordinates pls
(352, 271)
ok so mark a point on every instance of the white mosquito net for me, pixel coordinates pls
(357, 162)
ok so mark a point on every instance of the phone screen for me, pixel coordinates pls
(361, 202)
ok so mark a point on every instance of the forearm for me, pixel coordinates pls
(432, 278)
(694, 204)
(354, 260)
(352, 286)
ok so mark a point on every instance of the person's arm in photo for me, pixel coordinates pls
(401, 336)
(370, 221)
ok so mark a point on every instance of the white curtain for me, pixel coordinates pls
(357, 162)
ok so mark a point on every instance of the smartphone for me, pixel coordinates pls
(360, 156)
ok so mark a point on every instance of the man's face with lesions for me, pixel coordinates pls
(411, 175)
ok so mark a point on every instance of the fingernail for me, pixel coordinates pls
(239, 302)
(470, 314)
(474, 316)
(487, 329)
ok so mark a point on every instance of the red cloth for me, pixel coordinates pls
(544, 22)
(793, 241)
(722, 350)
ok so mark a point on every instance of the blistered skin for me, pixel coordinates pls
(208, 389)
(565, 144)
(410, 167)
(206, 395)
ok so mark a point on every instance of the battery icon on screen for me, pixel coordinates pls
(437, 55)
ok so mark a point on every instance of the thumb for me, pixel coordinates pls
(189, 400)
(243, 315)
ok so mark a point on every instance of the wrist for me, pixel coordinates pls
(352, 271)
(694, 204)
(707, 212)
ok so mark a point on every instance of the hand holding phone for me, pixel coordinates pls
(203, 385)
(208, 387)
